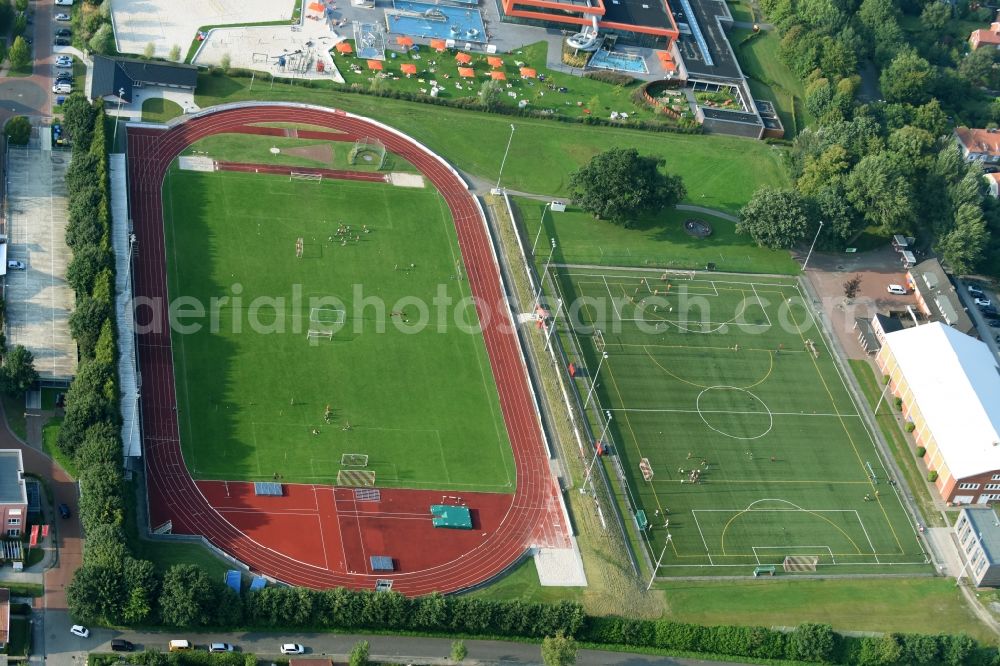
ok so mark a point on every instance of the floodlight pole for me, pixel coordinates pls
(660, 559)
(882, 397)
(593, 380)
(597, 451)
(548, 336)
(541, 225)
(541, 280)
(815, 238)
(114, 135)
(504, 160)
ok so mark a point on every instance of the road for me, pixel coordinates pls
(30, 95)
(396, 649)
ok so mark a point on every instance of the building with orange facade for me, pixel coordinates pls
(949, 386)
(637, 18)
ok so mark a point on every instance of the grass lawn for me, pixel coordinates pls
(50, 437)
(13, 408)
(420, 400)
(741, 11)
(159, 110)
(719, 171)
(770, 79)
(583, 97)
(659, 240)
(905, 456)
(729, 376)
(293, 152)
(19, 641)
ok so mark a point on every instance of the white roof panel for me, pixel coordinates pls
(956, 382)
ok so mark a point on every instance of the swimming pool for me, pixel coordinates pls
(619, 61)
(421, 19)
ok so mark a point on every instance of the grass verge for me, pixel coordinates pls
(770, 79)
(159, 110)
(50, 437)
(13, 409)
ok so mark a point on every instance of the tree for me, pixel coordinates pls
(143, 584)
(86, 321)
(19, 54)
(359, 654)
(458, 651)
(89, 259)
(852, 286)
(95, 595)
(175, 53)
(558, 650)
(103, 40)
(78, 121)
(935, 16)
(188, 597)
(21, 5)
(490, 94)
(21, 24)
(978, 68)
(883, 650)
(880, 188)
(19, 371)
(619, 185)
(225, 62)
(774, 218)
(18, 130)
(963, 247)
(149, 51)
(811, 642)
(957, 649)
(908, 78)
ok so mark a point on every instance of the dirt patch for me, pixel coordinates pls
(320, 152)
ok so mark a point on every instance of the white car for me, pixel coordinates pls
(62, 17)
(13, 264)
(64, 65)
(62, 88)
(292, 648)
(64, 3)
(897, 289)
(79, 630)
(220, 647)
(982, 302)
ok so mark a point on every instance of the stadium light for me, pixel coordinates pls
(121, 98)
(504, 160)
(593, 380)
(815, 238)
(597, 451)
(541, 280)
(548, 336)
(541, 225)
(670, 538)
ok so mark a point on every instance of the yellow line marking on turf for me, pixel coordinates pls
(770, 369)
(722, 538)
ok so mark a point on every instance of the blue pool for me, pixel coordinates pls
(619, 61)
(421, 19)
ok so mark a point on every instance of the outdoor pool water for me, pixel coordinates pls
(420, 19)
(616, 60)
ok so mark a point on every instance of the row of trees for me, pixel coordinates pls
(92, 26)
(891, 165)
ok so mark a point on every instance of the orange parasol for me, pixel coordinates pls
(495, 61)
(344, 47)
(375, 65)
(404, 41)
(498, 76)
(464, 58)
(438, 45)
(408, 68)
(528, 73)
(466, 72)
(317, 7)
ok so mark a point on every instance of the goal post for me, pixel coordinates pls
(797, 563)
(354, 460)
(356, 478)
(327, 316)
(308, 177)
(599, 340)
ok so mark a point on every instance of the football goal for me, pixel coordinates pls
(326, 317)
(354, 460)
(308, 177)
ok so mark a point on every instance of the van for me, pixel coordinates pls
(121, 645)
(897, 289)
(179, 645)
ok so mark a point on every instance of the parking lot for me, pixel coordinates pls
(38, 298)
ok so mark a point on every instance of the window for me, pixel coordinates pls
(14, 532)
(996, 477)
(992, 486)
(968, 486)
(13, 521)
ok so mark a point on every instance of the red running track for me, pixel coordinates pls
(532, 510)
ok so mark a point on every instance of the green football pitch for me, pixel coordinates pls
(298, 361)
(734, 430)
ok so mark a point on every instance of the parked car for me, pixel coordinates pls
(975, 291)
(64, 32)
(64, 65)
(64, 77)
(60, 100)
(993, 323)
(79, 630)
(179, 645)
(292, 648)
(897, 289)
(220, 647)
(64, 3)
(15, 265)
(61, 17)
(982, 302)
(63, 88)
(61, 41)
(121, 645)
(64, 511)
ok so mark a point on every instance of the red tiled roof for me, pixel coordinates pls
(979, 140)
(984, 36)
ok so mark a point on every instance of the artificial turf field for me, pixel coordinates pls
(717, 373)
(422, 405)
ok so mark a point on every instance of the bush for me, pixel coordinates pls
(932, 476)
(921, 452)
(910, 426)
(607, 76)
(18, 130)
(898, 402)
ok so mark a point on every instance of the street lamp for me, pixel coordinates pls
(548, 336)
(597, 450)
(504, 160)
(541, 225)
(660, 559)
(541, 280)
(593, 380)
(815, 238)
(114, 136)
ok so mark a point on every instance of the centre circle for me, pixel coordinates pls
(734, 412)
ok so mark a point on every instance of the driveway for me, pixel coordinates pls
(29, 95)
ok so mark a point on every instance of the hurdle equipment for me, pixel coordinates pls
(796, 563)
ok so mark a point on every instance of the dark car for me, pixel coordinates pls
(993, 323)
(64, 510)
(988, 311)
(121, 645)
(61, 41)
(64, 32)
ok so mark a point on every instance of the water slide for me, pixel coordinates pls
(586, 40)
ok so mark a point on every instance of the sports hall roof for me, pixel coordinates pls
(956, 382)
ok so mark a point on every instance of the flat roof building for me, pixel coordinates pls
(13, 493)
(978, 533)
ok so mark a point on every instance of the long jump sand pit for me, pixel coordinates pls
(169, 22)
